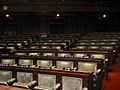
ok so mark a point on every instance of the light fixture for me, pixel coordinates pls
(5, 7)
(58, 15)
(7, 15)
(104, 15)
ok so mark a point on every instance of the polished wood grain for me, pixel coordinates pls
(3, 87)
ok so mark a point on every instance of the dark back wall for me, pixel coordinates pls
(66, 23)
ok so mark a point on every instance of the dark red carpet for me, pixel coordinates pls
(113, 82)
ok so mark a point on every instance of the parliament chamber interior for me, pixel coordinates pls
(59, 45)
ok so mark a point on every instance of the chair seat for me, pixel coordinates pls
(20, 84)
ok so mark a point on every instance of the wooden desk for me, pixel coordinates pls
(16, 88)
(3, 87)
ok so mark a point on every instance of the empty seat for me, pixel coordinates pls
(48, 54)
(34, 54)
(64, 64)
(99, 56)
(81, 47)
(80, 55)
(20, 54)
(25, 62)
(45, 47)
(8, 61)
(47, 82)
(93, 47)
(57, 47)
(72, 83)
(87, 66)
(44, 63)
(25, 79)
(64, 55)
(6, 77)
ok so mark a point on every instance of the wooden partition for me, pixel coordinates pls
(71, 53)
(100, 62)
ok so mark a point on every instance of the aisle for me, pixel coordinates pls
(113, 82)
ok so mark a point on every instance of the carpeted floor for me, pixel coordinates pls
(113, 82)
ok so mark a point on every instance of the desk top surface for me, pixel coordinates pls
(3, 87)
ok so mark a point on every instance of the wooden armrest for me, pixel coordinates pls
(53, 67)
(85, 88)
(56, 86)
(106, 60)
(97, 72)
(11, 80)
(32, 83)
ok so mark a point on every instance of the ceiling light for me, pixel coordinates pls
(7, 15)
(58, 15)
(104, 15)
